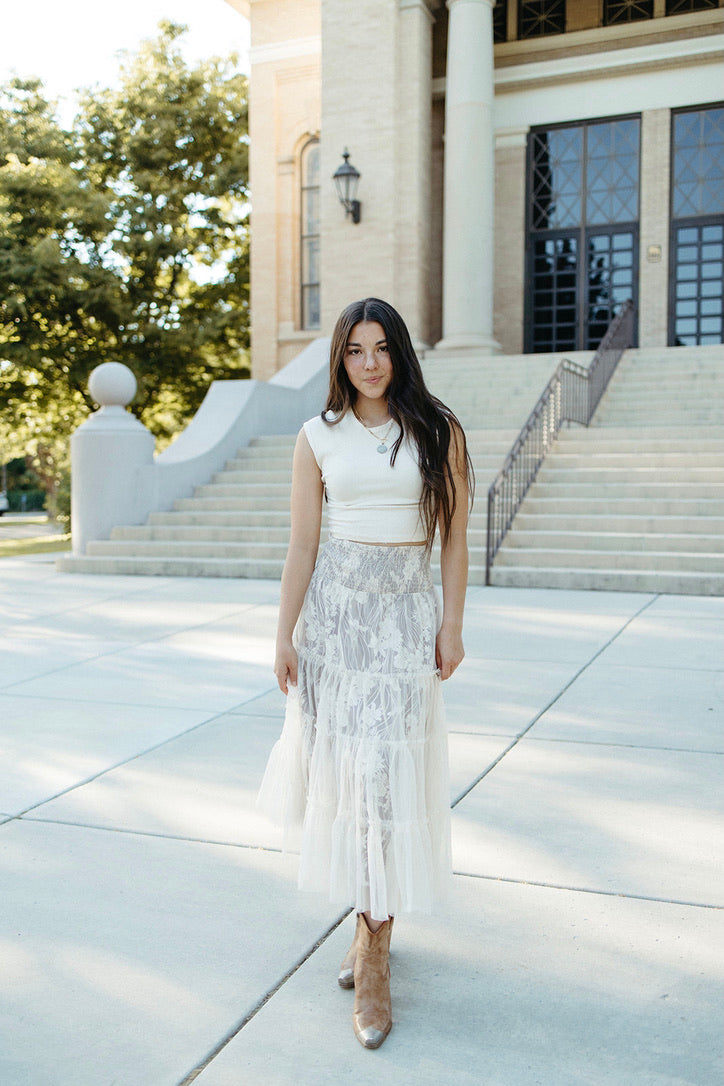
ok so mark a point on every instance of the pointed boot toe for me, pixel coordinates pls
(346, 976)
(371, 1037)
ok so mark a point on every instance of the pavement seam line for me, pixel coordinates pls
(590, 890)
(624, 746)
(124, 762)
(145, 833)
(587, 742)
(132, 704)
(553, 701)
(239, 1026)
(122, 594)
(125, 647)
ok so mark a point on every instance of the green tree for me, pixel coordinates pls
(126, 239)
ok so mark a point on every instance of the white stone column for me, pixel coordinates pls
(413, 165)
(469, 179)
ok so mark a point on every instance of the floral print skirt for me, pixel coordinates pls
(359, 777)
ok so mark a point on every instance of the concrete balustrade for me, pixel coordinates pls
(115, 477)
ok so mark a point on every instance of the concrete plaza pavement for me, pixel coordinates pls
(151, 933)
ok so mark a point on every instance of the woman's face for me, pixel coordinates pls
(367, 360)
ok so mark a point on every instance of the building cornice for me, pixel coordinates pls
(614, 62)
(579, 68)
(602, 38)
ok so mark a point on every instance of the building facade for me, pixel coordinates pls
(525, 167)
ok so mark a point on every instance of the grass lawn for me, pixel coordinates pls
(11, 548)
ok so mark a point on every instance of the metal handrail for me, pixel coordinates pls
(572, 395)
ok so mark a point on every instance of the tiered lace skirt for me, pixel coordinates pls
(361, 768)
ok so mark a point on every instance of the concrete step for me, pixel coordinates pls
(203, 532)
(631, 525)
(635, 386)
(254, 476)
(596, 442)
(672, 402)
(264, 569)
(250, 458)
(233, 490)
(594, 459)
(665, 432)
(619, 580)
(257, 518)
(592, 559)
(632, 414)
(185, 548)
(273, 440)
(252, 502)
(622, 506)
(549, 540)
(704, 437)
(650, 491)
(634, 473)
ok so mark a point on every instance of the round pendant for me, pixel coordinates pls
(382, 448)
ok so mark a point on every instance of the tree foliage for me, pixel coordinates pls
(123, 237)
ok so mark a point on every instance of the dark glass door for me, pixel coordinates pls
(583, 209)
(697, 227)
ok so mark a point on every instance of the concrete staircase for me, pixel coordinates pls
(636, 501)
(237, 525)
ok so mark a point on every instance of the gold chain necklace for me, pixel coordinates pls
(382, 447)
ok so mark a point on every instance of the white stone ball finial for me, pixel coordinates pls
(112, 384)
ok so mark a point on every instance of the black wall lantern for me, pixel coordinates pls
(346, 178)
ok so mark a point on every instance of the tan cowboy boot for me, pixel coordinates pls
(372, 1016)
(346, 969)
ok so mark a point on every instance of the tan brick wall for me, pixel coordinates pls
(262, 174)
(509, 273)
(285, 111)
(654, 228)
(275, 21)
(358, 111)
(376, 94)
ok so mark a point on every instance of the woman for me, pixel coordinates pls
(362, 760)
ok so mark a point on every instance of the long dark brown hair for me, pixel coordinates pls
(420, 415)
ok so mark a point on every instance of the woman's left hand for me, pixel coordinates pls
(449, 651)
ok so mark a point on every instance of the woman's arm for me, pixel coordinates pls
(449, 650)
(307, 493)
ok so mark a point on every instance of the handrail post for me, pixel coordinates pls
(489, 536)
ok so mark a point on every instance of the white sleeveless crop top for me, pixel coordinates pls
(368, 500)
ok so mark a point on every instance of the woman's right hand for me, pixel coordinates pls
(285, 666)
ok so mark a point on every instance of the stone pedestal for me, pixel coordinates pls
(107, 453)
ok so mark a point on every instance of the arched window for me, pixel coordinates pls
(310, 236)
